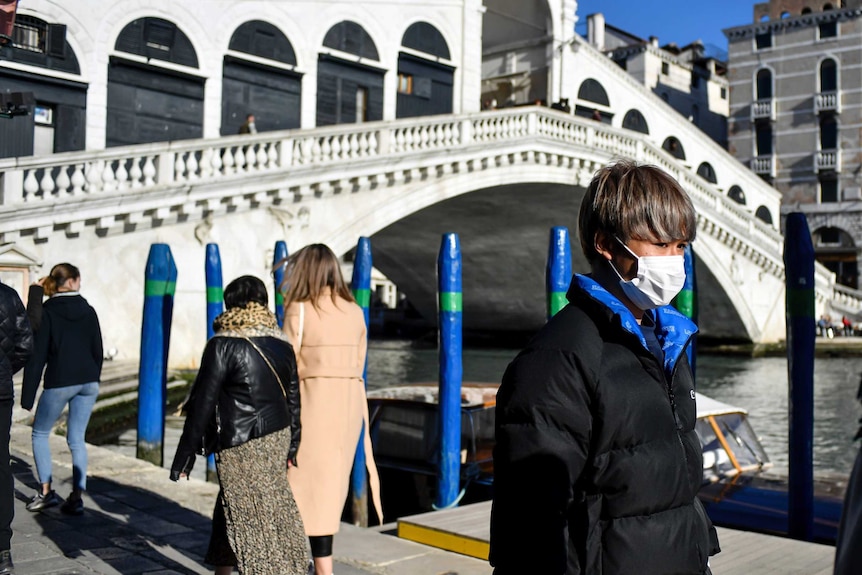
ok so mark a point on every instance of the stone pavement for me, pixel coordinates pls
(137, 521)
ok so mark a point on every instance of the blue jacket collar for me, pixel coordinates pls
(673, 329)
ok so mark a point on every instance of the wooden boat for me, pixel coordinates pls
(739, 488)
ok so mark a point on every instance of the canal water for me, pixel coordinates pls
(757, 384)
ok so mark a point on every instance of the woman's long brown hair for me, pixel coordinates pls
(308, 273)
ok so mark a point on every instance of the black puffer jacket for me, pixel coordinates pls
(597, 464)
(236, 386)
(16, 339)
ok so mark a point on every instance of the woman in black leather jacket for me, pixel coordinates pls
(244, 407)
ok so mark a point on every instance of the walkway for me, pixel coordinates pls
(139, 522)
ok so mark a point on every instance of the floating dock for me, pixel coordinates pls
(466, 530)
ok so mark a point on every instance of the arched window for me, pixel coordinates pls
(424, 37)
(157, 39)
(634, 120)
(352, 38)
(764, 84)
(672, 145)
(828, 133)
(736, 194)
(262, 39)
(706, 171)
(806, 10)
(763, 214)
(827, 6)
(828, 75)
(592, 91)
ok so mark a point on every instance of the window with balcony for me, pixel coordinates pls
(828, 29)
(828, 133)
(763, 40)
(828, 190)
(763, 139)
(828, 75)
(764, 84)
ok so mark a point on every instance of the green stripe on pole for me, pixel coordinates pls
(800, 302)
(156, 287)
(684, 303)
(557, 301)
(279, 299)
(363, 297)
(450, 301)
(215, 294)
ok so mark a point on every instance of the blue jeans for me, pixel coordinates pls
(81, 399)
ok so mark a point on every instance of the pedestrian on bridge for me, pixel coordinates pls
(16, 345)
(327, 330)
(597, 464)
(244, 406)
(69, 342)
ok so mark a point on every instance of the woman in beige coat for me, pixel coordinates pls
(327, 330)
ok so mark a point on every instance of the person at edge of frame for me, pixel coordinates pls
(597, 464)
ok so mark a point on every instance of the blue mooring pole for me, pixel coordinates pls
(558, 273)
(361, 287)
(159, 287)
(799, 305)
(279, 254)
(215, 305)
(449, 311)
(686, 303)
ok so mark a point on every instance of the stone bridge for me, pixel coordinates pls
(499, 178)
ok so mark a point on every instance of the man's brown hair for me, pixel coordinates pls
(634, 201)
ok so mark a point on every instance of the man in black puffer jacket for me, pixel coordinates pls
(597, 464)
(16, 344)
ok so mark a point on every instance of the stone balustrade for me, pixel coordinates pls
(763, 109)
(827, 102)
(131, 184)
(827, 160)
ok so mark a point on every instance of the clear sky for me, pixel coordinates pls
(680, 21)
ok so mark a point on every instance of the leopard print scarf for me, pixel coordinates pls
(253, 320)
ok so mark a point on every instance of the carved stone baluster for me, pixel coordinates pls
(326, 149)
(250, 158)
(206, 164)
(315, 151)
(239, 160)
(263, 156)
(31, 186)
(135, 174)
(192, 166)
(122, 175)
(108, 179)
(63, 181)
(352, 146)
(336, 148)
(78, 180)
(94, 178)
(149, 171)
(370, 140)
(273, 152)
(179, 167)
(215, 162)
(47, 184)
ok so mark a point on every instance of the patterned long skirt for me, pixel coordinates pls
(256, 524)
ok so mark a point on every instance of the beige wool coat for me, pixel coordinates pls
(330, 356)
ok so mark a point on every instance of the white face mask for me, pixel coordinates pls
(658, 281)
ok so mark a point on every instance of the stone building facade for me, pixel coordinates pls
(689, 81)
(796, 114)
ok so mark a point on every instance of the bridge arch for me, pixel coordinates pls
(147, 103)
(349, 91)
(272, 92)
(634, 120)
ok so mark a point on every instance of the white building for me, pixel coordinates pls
(692, 83)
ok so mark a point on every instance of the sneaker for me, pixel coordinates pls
(40, 502)
(6, 566)
(72, 506)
